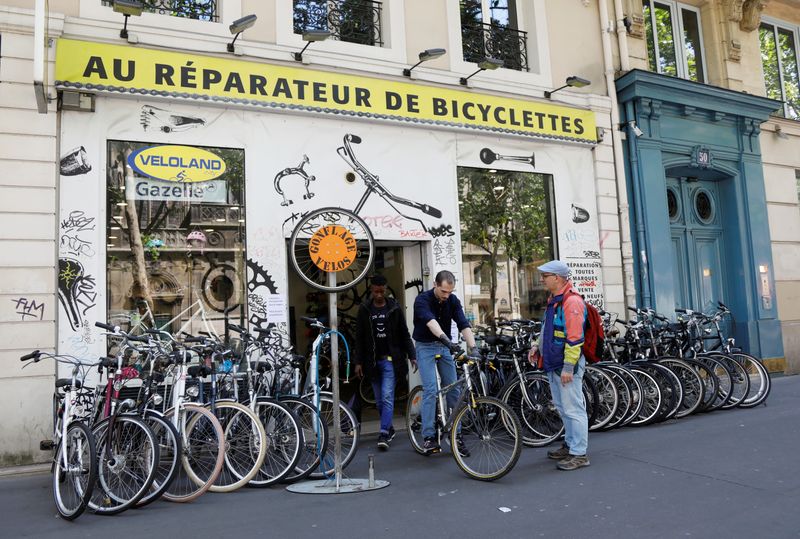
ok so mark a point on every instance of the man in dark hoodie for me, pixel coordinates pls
(382, 345)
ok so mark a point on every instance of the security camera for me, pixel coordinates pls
(636, 131)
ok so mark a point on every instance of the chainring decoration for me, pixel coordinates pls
(330, 240)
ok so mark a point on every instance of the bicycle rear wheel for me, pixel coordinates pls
(760, 382)
(74, 481)
(539, 421)
(315, 437)
(128, 457)
(490, 431)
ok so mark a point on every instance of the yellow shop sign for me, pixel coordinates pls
(136, 71)
(177, 163)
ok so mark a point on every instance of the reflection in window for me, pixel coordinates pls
(674, 39)
(175, 248)
(490, 28)
(353, 21)
(506, 232)
(779, 62)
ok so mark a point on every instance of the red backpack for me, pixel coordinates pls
(593, 335)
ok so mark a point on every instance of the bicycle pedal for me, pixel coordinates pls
(46, 445)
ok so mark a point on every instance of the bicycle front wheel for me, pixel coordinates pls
(284, 439)
(492, 442)
(245, 445)
(74, 471)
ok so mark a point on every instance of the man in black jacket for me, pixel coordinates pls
(382, 345)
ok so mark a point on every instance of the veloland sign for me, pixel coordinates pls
(177, 163)
(138, 71)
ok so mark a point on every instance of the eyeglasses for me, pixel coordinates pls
(546, 275)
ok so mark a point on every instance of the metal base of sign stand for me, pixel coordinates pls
(328, 486)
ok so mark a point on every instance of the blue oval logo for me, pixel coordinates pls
(177, 163)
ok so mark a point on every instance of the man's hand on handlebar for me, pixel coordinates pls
(454, 348)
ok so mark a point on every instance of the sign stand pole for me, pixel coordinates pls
(336, 485)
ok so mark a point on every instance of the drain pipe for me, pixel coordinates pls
(616, 142)
(622, 37)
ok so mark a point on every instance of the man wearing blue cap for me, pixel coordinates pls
(560, 345)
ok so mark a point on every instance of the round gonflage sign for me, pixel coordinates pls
(332, 248)
(331, 241)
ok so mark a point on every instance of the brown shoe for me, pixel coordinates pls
(559, 454)
(573, 462)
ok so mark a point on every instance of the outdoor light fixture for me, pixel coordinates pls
(311, 36)
(424, 56)
(239, 26)
(485, 64)
(573, 81)
(127, 8)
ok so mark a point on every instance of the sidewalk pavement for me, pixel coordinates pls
(725, 474)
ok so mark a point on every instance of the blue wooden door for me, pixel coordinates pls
(695, 216)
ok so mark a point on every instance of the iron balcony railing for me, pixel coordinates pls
(480, 40)
(201, 10)
(353, 21)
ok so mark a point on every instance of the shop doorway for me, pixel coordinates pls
(697, 241)
(402, 264)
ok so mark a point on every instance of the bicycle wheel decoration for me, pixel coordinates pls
(331, 240)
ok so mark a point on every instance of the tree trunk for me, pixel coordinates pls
(141, 283)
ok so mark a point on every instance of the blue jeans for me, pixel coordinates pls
(427, 371)
(383, 382)
(572, 408)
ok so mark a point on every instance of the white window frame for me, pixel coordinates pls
(505, 80)
(677, 36)
(487, 14)
(795, 30)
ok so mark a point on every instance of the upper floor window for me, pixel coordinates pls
(674, 39)
(490, 29)
(201, 10)
(353, 21)
(779, 59)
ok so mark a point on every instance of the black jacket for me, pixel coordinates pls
(400, 343)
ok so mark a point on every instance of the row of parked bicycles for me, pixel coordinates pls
(174, 416)
(652, 370)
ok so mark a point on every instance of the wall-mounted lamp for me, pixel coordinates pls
(424, 56)
(573, 82)
(239, 26)
(780, 133)
(311, 36)
(484, 65)
(127, 8)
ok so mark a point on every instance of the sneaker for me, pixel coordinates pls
(461, 447)
(391, 434)
(383, 441)
(559, 454)
(573, 462)
(430, 446)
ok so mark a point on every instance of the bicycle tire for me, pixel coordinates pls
(133, 457)
(245, 445)
(740, 381)
(760, 381)
(709, 379)
(725, 386)
(315, 437)
(651, 398)
(79, 479)
(283, 441)
(202, 453)
(351, 434)
(607, 397)
(414, 419)
(676, 386)
(623, 394)
(591, 397)
(169, 455)
(670, 390)
(635, 386)
(691, 383)
(490, 431)
(539, 421)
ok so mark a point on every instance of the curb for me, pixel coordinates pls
(28, 469)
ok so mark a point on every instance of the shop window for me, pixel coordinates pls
(779, 46)
(353, 21)
(490, 28)
(507, 230)
(674, 39)
(175, 244)
(201, 10)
